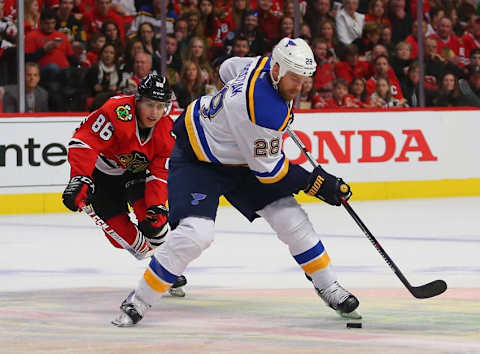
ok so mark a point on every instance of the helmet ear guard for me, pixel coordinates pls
(293, 55)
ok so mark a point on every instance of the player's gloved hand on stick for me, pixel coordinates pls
(327, 187)
(155, 226)
(79, 190)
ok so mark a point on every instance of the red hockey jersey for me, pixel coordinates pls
(109, 140)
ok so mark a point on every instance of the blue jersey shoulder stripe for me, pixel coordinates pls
(201, 132)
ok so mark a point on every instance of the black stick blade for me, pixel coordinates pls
(431, 289)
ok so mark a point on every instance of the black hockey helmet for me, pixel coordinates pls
(155, 87)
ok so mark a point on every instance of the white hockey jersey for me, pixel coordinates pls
(242, 124)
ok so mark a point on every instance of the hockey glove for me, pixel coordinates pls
(327, 187)
(79, 190)
(155, 226)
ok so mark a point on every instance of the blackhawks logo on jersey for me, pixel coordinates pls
(123, 113)
(134, 161)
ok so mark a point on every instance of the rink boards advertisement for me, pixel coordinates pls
(383, 154)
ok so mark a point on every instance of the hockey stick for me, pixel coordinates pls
(88, 209)
(431, 289)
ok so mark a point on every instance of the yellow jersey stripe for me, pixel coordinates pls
(287, 118)
(251, 89)
(192, 136)
(273, 179)
(154, 282)
(320, 263)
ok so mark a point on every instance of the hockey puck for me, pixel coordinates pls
(354, 325)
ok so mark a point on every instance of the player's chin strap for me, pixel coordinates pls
(88, 209)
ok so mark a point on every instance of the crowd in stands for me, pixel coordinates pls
(78, 53)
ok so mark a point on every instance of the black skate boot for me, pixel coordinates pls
(339, 299)
(133, 309)
(176, 289)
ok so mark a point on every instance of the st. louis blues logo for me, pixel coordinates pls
(197, 197)
(290, 42)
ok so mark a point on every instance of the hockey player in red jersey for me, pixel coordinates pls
(118, 157)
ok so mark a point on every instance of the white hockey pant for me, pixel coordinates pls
(291, 223)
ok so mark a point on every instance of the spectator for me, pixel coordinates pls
(286, 27)
(325, 71)
(401, 59)
(95, 44)
(52, 50)
(237, 14)
(359, 92)
(349, 22)
(401, 20)
(8, 50)
(103, 11)
(382, 97)
(174, 60)
(190, 86)
(134, 46)
(474, 83)
(142, 66)
(126, 9)
(112, 36)
(410, 87)
(448, 93)
(317, 12)
(386, 38)
(255, 36)
(471, 39)
(214, 29)
(146, 33)
(307, 94)
(327, 32)
(268, 21)
(448, 44)
(181, 33)
(351, 67)
(36, 98)
(32, 15)
(196, 52)
(382, 68)
(194, 29)
(436, 13)
(370, 37)
(377, 14)
(435, 65)
(103, 78)
(152, 15)
(340, 98)
(68, 23)
(240, 47)
(412, 38)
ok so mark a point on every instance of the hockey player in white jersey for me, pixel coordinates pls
(230, 144)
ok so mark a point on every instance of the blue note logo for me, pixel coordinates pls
(197, 197)
(290, 43)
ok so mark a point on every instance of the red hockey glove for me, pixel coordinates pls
(78, 191)
(327, 187)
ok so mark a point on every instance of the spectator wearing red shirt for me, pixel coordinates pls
(376, 13)
(471, 39)
(32, 15)
(359, 92)
(412, 39)
(53, 52)
(341, 98)
(351, 67)
(93, 19)
(382, 68)
(449, 46)
(325, 72)
(317, 12)
(268, 21)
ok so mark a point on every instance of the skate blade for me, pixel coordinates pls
(354, 315)
(122, 321)
(176, 292)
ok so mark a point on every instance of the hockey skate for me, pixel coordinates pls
(177, 288)
(132, 311)
(342, 301)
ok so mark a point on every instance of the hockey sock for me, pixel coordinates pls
(316, 263)
(128, 231)
(156, 280)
